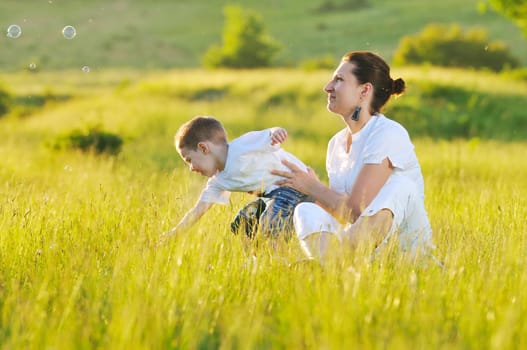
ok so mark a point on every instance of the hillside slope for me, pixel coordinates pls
(172, 34)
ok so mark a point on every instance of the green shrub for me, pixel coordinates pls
(450, 46)
(444, 111)
(245, 43)
(92, 139)
(26, 105)
(516, 10)
(6, 101)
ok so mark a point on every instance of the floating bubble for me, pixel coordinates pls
(86, 69)
(14, 31)
(69, 32)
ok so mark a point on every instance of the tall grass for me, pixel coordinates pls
(81, 265)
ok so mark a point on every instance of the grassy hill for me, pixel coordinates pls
(175, 33)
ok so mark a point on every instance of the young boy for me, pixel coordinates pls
(242, 165)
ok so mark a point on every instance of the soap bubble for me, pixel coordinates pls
(14, 31)
(86, 69)
(69, 32)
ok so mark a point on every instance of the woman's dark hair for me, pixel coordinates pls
(370, 68)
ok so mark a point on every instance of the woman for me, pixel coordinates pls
(376, 187)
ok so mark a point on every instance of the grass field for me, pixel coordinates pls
(176, 33)
(80, 264)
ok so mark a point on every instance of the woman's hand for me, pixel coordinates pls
(307, 182)
(300, 180)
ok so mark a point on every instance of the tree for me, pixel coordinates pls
(515, 10)
(245, 42)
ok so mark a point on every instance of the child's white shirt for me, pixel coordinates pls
(250, 159)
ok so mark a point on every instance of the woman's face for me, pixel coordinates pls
(343, 90)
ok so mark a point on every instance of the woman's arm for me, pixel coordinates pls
(369, 182)
(307, 182)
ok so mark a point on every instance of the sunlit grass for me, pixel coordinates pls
(81, 265)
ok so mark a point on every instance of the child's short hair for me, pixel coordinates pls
(198, 129)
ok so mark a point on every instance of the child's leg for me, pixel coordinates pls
(246, 220)
(278, 216)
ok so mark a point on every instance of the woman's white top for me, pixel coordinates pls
(380, 138)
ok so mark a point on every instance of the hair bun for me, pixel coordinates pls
(398, 86)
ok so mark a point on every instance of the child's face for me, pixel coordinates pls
(200, 160)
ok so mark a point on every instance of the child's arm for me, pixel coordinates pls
(278, 135)
(190, 218)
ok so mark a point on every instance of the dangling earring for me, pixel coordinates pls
(355, 115)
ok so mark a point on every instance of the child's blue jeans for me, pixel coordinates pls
(272, 213)
(278, 215)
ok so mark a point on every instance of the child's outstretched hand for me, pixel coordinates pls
(278, 135)
(165, 236)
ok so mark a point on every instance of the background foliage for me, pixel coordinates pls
(245, 42)
(451, 46)
(514, 9)
(176, 34)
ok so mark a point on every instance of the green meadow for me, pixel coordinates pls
(82, 267)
